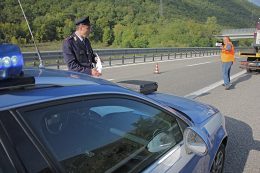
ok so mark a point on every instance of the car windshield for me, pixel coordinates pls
(104, 135)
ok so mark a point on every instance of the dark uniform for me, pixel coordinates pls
(78, 55)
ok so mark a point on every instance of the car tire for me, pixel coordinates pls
(249, 59)
(248, 70)
(218, 163)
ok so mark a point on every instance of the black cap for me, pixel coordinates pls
(83, 21)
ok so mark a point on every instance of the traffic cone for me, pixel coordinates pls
(156, 71)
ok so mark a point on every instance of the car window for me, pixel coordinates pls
(5, 163)
(25, 149)
(105, 134)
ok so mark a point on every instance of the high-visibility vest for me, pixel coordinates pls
(228, 56)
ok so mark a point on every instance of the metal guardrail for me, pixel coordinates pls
(112, 57)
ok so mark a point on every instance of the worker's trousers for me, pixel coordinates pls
(226, 68)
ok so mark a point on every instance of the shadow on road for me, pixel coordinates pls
(204, 94)
(240, 80)
(240, 143)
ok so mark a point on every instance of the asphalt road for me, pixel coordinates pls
(180, 77)
(200, 78)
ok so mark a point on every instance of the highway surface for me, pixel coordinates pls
(180, 76)
(200, 79)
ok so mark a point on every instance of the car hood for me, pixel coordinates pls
(195, 111)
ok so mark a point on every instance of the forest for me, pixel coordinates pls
(126, 23)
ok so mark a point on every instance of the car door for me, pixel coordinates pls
(5, 162)
(18, 152)
(108, 133)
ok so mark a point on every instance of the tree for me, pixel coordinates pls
(108, 36)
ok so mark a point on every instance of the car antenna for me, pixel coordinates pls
(37, 50)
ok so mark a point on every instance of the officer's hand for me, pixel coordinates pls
(94, 72)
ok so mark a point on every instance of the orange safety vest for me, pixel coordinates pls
(228, 56)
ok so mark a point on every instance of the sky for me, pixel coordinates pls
(257, 2)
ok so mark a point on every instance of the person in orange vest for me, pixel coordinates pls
(227, 58)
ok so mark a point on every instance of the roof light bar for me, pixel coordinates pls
(11, 61)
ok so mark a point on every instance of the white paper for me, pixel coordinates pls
(98, 64)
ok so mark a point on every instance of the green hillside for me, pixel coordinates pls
(127, 23)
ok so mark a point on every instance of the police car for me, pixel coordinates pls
(61, 121)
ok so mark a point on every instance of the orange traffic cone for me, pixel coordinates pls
(156, 71)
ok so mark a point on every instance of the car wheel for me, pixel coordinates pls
(218, 163)
(248, 70)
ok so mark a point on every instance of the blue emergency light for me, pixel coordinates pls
(11, 61)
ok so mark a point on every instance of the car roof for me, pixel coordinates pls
(54, 84)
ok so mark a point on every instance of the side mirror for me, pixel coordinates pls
(196, 141)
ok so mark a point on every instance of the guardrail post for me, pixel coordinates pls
(174, 55)
(191, 54)
(186, 54)
(110, 59)
(168, 55)
(161, 56)
(181, 54)
(134, 59)
(58, 64)
(153, 56)
(144, 58)
(123, 59)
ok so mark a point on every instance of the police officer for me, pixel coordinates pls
(77, 50)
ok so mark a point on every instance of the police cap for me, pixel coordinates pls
(83, 21)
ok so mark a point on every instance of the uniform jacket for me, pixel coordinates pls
(228, 55)
(78, 55)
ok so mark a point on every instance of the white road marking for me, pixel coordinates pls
(212, 86)
(153, 62)
(199, 64)
(110, 79)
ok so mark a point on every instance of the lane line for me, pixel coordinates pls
(204, 90)
(153, 62)
(170, 60)
(199, 64)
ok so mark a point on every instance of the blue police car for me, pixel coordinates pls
(60, 121)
